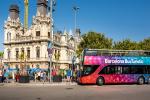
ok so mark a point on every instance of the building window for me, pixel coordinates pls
(54, 38)
(17, 53)
(22, 51)
(37, 33)
(8, 36)
(28, 53)
(8, 54)
(37, 52)
(49, 35)
(22, 54)
(16, 36)
(55, 53)
(59, 39)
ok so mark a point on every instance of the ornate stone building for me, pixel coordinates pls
(29, 47)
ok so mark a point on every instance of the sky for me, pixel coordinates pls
(117, 19)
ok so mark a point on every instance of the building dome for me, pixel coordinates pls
(14, 7)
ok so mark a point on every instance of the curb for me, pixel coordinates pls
(35, 84)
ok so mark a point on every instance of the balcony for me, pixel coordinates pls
(36, 60)
(14, 60)
(27, 39)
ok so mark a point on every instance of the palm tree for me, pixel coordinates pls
(57, 56)
(1, 57)
(22, 58)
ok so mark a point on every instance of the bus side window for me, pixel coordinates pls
(118, 69)
(126, 70)
(112, 70)
(138, 69)
(148, 69)
(103, 71)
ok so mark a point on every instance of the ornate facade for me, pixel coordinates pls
(29, 47)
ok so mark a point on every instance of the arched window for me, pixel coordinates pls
(37, 52)
(8, 36)
(28, 53)
(49, 35)
(37, 33)
(8, 54)
(17, 53)
(22, 56)
(17, 36)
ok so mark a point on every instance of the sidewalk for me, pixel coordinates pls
(37, 84)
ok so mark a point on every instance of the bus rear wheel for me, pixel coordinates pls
(100, 81)
(141, 80)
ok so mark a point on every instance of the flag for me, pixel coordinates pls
(49, 45)
(50, 51)
(49, 48)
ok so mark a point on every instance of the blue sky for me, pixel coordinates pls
(117, 19)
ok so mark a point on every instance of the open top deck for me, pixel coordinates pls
(106, 52)
(116, 57)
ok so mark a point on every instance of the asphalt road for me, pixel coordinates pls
(107, 92)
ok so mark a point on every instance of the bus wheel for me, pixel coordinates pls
(140, 80)
(149, 80)
(100, 81)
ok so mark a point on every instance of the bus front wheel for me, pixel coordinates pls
(100, 81)
(141, 80)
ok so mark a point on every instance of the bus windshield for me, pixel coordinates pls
(89, 69)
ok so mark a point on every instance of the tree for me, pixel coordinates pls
(145, 44)
(1, 57)
(57, 56)
(22, 58)
(93, 40)
(1, 54)
(126, 44)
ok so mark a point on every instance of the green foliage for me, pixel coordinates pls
(1, 54)
(94, 40)
(57, 56)
(126, 44)
(22, 56)
(145, 44)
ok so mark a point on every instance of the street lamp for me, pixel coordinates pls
(73, 64)
(50, 44)
(75, 9)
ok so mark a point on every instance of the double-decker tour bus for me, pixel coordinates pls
(115, 66)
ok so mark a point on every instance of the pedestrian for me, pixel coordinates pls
(44, 77)
(35, 76)
(69, 75)
(6, 76)
(17, 77)
(74, 75)
(65, 74)
(39, 75)
(53, 74)
(1, 75)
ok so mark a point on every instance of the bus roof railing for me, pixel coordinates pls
(110, 52)
(117, 50)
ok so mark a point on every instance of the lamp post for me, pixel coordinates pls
(50, 44)
(75, 9)
(73, 65)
